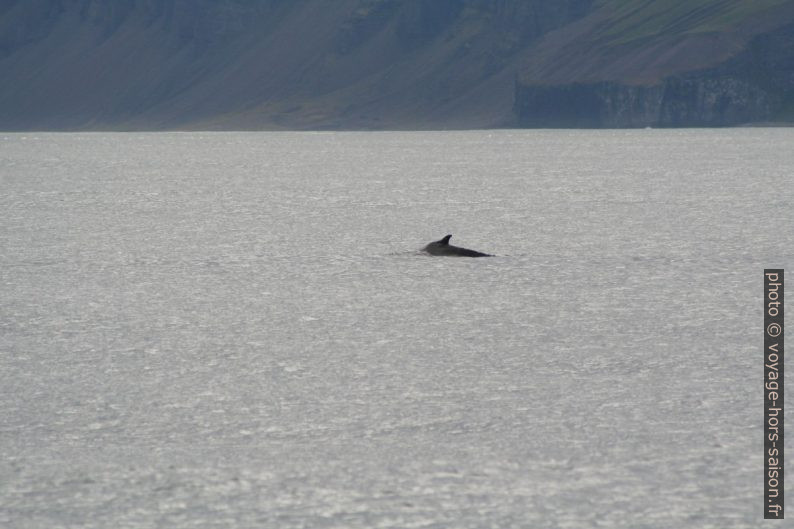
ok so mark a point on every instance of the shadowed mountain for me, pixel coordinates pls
(663, 63)
(399, 64)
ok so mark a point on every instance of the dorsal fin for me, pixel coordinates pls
(445, 240)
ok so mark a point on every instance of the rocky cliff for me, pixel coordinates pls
(710, 71)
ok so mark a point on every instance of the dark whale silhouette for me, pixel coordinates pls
(443, 247)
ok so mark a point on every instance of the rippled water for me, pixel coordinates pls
(238, 330)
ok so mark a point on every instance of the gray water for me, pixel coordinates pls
(238, 329)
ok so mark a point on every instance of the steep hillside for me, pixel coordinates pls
(157, 64)
(664, 63)
(374, 64)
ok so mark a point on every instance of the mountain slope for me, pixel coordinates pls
(269, 64)
(664, 63)
(374, 64)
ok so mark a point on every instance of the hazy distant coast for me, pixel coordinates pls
(393, 64)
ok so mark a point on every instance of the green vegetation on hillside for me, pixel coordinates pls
(646, 19)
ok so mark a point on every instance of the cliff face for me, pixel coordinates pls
(689, 101)
(752, 80)
(392, 64)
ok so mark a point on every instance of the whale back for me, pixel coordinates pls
(442, 247)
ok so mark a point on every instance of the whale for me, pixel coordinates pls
(442, 247)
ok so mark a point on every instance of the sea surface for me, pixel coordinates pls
(238, 330)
